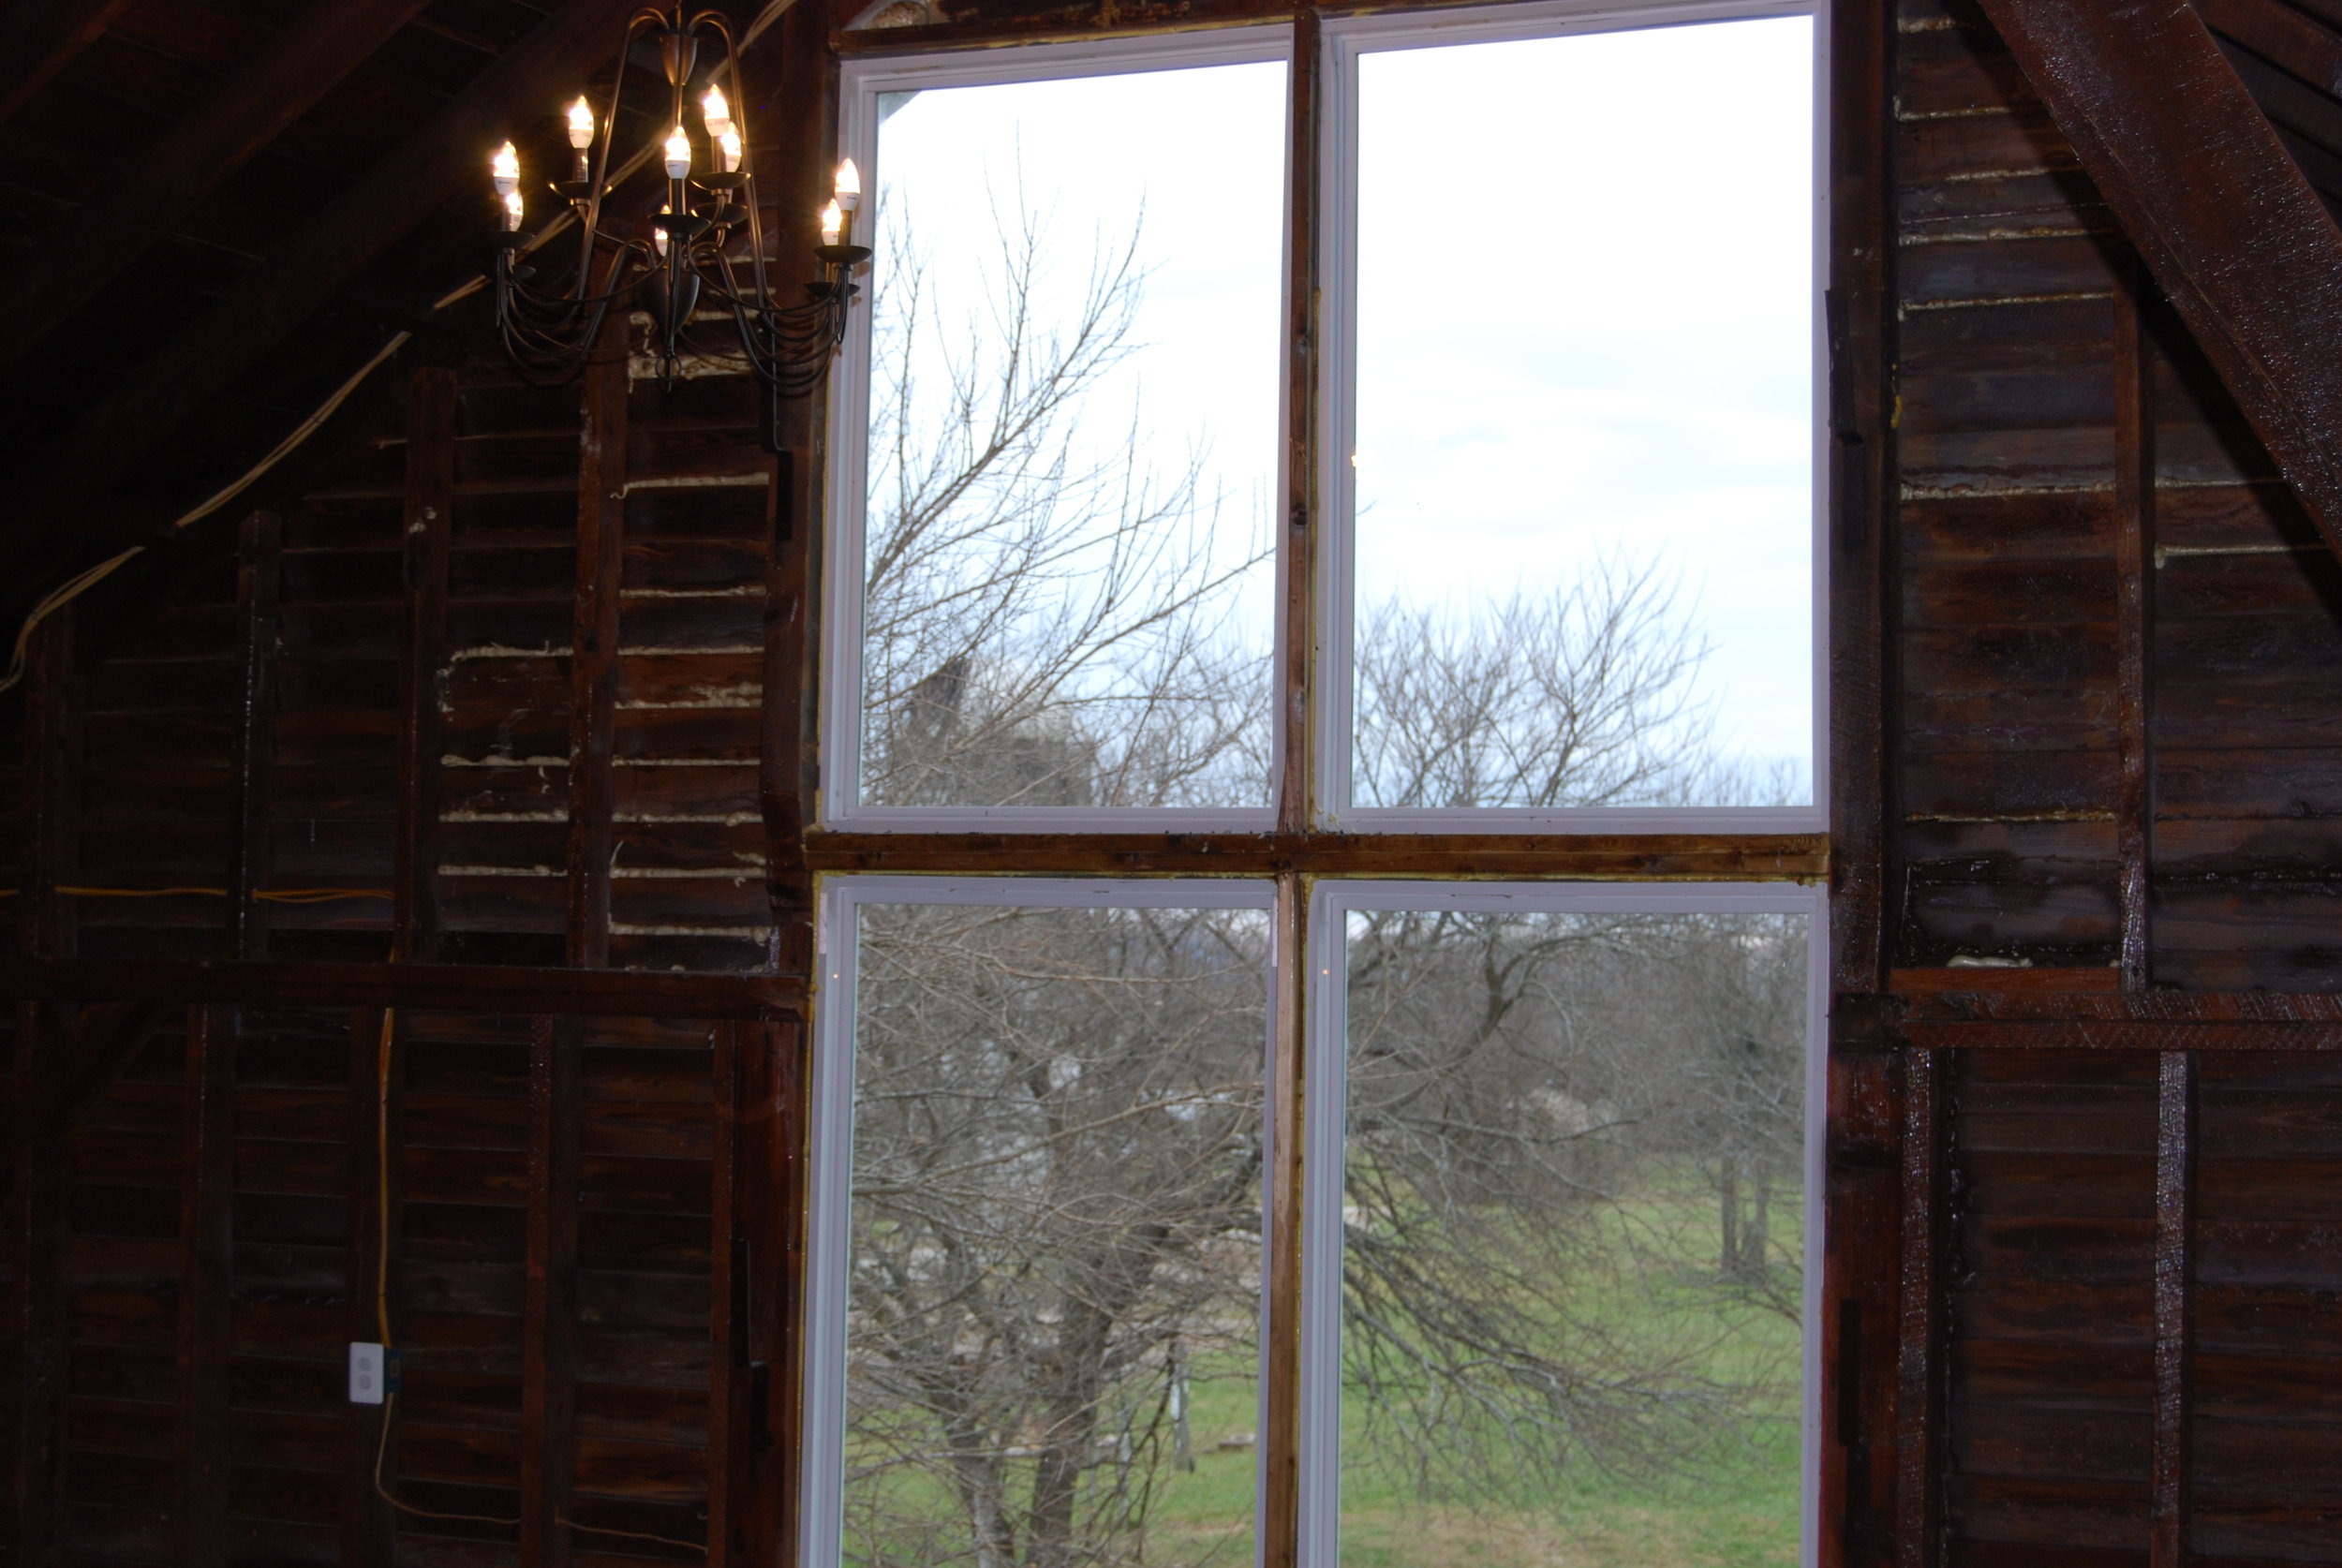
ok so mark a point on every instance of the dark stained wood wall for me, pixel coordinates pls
(2082, 1294)
(2108, 642)
(355, 736)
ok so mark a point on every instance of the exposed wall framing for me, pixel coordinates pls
(395, 828)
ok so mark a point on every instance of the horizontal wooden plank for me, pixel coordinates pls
(1644, 856)
(420, 985)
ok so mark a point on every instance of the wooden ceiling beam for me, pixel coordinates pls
(2223, 215)
(106, 1036)
(272, 88)
(40, 37)
(386, 204)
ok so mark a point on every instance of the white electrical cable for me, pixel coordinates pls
(81, 583)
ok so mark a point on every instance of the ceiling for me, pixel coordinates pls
(212, 211)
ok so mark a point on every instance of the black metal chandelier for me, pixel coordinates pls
(697, 269)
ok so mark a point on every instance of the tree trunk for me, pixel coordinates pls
(1729, 1193)
(1073, 1433)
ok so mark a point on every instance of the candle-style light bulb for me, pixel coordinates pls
(727, 150)
(659, 234)
(504, 166)
(513, 211)
(832, 223)
(718, 111)
(679, 156)
(849, 185)
(581, 123)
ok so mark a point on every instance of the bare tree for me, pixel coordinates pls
(1057, 1179)
(1057, 1151)
(1046, 617)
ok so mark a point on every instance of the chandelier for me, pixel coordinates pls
(696, 268)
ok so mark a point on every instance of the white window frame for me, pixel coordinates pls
(1345, 40)
(861, 83)
(1323, 1145)
(821, 1522)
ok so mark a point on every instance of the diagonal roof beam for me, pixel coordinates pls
(2215, 204)
(40, 37)
(271, 89)
(438, 162)
(105, 1039)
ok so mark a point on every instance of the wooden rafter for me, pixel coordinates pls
(40, 37)
(104, 1038)
(389, 202)
(2209, 195)
(272, 88)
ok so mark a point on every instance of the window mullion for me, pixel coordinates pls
(1297, 788)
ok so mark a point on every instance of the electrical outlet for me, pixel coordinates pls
(367, 1377)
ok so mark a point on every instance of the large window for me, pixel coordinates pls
(1323, 531)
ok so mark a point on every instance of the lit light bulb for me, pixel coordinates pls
(679, 156)
(513, 211)
(849, 185)
(505, 166)
(832, 223)
(727, 150)
(581, 123)
(719, 112)
(659, 234)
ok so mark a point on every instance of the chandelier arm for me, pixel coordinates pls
(590, 224)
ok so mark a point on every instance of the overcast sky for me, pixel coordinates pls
(1584, 308)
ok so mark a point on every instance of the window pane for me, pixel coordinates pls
(1067, 574)
(1573, 1236)
(1584, 557)
(1051, 1326)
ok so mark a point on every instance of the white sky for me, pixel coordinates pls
(1585, 309)
(1584, 329)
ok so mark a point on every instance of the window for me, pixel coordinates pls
(1039, 1219)
(1569, 421)
(1562, 1132)
(1055, 571)
(1384, 1150)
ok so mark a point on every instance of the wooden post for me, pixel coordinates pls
(751, 1504)
(2175, 1307)
(369, 1524)
(1860, 478)
(794, 172)
(2134, 599)
(423, 671)
(205, 1256)
(549, 1361)
(594, 646)
(1919, 1351)
(39, 1242)
(730, 1278)
(1864, 1125)
(38, 1218)
(258, 579)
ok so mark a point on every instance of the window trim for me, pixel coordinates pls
(1323, 1148)
(1345, 40)
(846, 491)
(829, 1175)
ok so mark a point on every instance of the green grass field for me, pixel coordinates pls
(1733, 1503)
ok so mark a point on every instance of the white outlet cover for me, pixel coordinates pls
(365, 1373)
